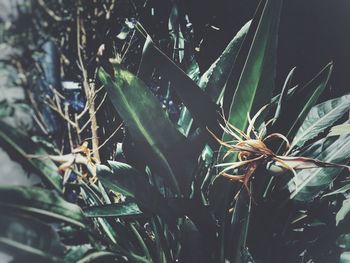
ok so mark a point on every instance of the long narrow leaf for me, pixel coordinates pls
(310, 182)
(40, 202)
(199, 104)
(22, 146)
(128, 181)
(254, 90)
(321, 117)
(121, 210)
(317, 85)
(156, 138)
(28, 239)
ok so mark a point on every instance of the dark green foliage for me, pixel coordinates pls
(22, 147)
(170, 206)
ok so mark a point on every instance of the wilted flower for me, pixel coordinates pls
(251, 150)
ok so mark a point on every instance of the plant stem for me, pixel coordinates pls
(89, 90)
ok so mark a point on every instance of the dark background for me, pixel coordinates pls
(312, 33)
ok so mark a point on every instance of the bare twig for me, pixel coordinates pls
(112, 134)
(93, 115)
(49, 11)
(89, 92)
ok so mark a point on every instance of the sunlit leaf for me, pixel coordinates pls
(321, 117)
(121, 210)
(310, 182)
(341, 129)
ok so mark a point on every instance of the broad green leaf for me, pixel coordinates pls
(317, 85)
(254, 90)
(76, 252)
(343, 214)
(309, 182)
(341, 129)
(126, 209)
(156, 138)
(249, 79)
(124, 179)
(344, 257)
(321, 117)
(240, 61)
(29, 240)
(199, 104)
(256, 82)
(214, 79)
(343, 241)
(41, 202)
(21, 146)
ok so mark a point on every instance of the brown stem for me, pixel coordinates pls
(90, 95)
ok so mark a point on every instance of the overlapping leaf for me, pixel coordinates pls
(22, 146)
(310, 182)
(213, 81)
(124, 179)
(321, 117)
(199, 104)
(156, 138)
(27, 239)
(40, 202)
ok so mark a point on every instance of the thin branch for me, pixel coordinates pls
(93, 116)
(60, 113)
(49, 11)
(110, 136)
(89, 92)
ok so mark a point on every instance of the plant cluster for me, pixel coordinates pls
(171, 192)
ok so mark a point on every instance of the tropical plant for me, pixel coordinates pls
(167, 198)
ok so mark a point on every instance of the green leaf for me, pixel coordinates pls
(341, 129)
(21, 146)
(214, 79)
(343, 241)
(126, 209)
(253, 91)
(341, 190)
(86, 254)
(284, 93)
(42, 202)
(251, 79)
(156, 138)
(344, 257)
(317, 85)
(343, 214)
(76, 252)
(29, 240)
(6, 109)
(199, 104)
(321, 117)
(124, 179)
(97, 255)
(256, 82)
(309, 182)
